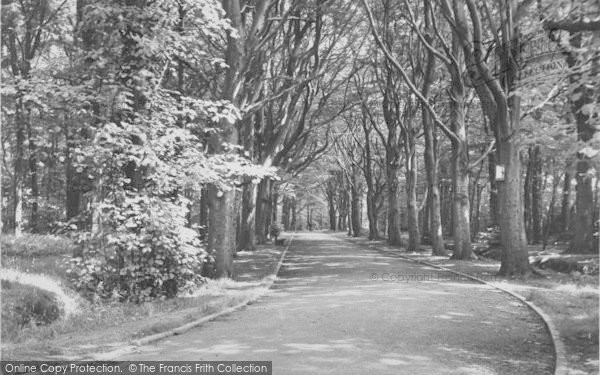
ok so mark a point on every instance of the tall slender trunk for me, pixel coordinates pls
(414, 236)
(433, 191)
(368, 171)
(203, 213)
(262, 211)
(72, 188)
(19, 169)
(460, 167)
(424, 220)
(536, 195)
(355, 202)
(527, 201)
(393, 214)
(269, 207)
(33, 178)
(247, 240)
(285, 213)
(433, 213)
(475, 202)
(350, 219)
(275, 198)
(293, 210)
(493, 204)
(332, 214)
(343, 209)
(549, 222)
(446, 205)
(372, 217)
(565, 207)
(475, 226)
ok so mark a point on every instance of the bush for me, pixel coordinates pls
(142, 252)
(24, 305)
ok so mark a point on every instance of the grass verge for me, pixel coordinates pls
(97, 327)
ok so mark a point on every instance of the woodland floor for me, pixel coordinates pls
(335, 310)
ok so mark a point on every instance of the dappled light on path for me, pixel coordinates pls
(337, 308)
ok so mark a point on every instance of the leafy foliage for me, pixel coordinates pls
(144, 251)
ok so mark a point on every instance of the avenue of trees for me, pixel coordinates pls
(166, 135)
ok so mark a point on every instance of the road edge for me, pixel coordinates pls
(181, 329)
(186, 327)
(560, 360)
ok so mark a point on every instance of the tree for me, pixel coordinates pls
(503, 111)
(583, 59)
(457, 133)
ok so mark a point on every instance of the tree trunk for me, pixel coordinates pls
(285, 213)
(247, 237)
(269, 208)
(475, 203)
(19, 169)
(514, 259)
(355, 203)
(433, 191)
(343, 209)
(372, 217)
(73, 190)
(221, 234)
(493, 208)
(414, 236)
(424, 220)
(247, 240)
(462, 226)
(33, 176)
(565, 208)
(549, 222)
(583, 222)
(350, 219)
(583, 239)
(221, 217)
(501, 104)
(275, 198)
(368, 171)
(393, 217)
(433, 221)
(262, 211)
(475, 226)
(331, 206)
(203, 214)
(536, 195)
(293, 211)
(527, 200)
(460, 168)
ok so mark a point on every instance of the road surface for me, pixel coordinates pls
(338, 308)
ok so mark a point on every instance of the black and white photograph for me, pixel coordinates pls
(266, 187)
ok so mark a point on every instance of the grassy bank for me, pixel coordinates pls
(35, 267)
